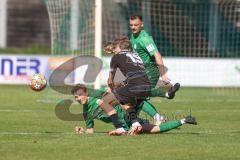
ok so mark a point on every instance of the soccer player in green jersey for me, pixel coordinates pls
(143, 44)
(92, 111)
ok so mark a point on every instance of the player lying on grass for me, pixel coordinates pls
(145, 106)
(93, 97)
(92, 111)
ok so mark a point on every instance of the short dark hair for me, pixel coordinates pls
(78, 87)
(136, 16)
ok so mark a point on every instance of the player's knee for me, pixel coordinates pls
(110, 99)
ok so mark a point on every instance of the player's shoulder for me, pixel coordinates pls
(91, 101)
(115, 57)
(118, 56)
(145, 37)
(144, 34)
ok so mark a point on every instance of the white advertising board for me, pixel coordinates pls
(197, 72)
(18, 69)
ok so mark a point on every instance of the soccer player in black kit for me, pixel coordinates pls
(135, 89)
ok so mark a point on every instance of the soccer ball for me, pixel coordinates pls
(38, 82)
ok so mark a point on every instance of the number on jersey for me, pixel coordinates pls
(134, 58)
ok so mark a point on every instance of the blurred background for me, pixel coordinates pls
(24, 27)
(199, 39)
(200, 44)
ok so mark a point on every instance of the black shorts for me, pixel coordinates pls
(132, 93)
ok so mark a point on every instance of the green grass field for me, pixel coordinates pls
(30, 130)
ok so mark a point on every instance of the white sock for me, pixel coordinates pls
(166, 94)
(136, 124)
(121, 129)
(183, 121)
(157, 117)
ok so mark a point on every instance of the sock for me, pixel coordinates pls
(167, 126)
(115, 121)
(149, 109)
(158, 92)
(166, 94)
(121, 129)
(182, 121)
(157, 117)
(136, 124)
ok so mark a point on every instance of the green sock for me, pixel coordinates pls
(158, 92)
(167, 126)
(148, 108)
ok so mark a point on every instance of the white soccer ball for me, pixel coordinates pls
(38, 82)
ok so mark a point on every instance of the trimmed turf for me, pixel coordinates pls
(30, 130)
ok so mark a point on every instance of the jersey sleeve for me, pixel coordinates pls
(89, 123)
(148, 44)
(113, 63)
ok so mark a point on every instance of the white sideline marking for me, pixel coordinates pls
(34, 133)
(203, 110)
(71, 133)
(197, 100)
(15, 110)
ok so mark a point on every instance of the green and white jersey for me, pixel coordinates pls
(91, 111)
(144, 45)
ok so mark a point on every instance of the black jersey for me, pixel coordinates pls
(131, 66)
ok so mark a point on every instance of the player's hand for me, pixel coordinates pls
(135, 130)
(118, 84)
(79, 130)
(109, 89)
(117, 132)
(165, 79)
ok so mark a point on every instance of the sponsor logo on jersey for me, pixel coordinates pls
(150, 48)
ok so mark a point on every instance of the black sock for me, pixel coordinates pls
(115, 121)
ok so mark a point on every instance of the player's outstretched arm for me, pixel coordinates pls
(159, 62)
(110, 79)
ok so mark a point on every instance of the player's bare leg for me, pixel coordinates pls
(107, 103)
